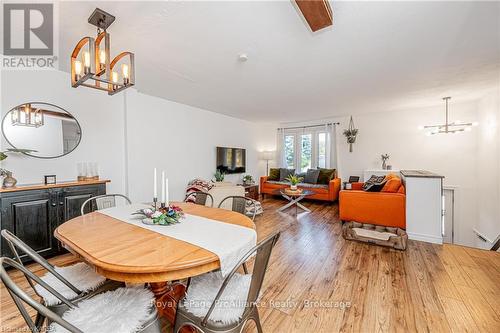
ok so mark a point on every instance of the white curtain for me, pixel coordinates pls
(332, 160)
(280, 148)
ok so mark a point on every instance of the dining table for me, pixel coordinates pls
(128, 253)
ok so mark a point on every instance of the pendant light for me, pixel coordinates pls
(448, 127)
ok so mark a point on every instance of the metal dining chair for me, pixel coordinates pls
(186, 317)
(75, 281)
(104, 201)
(90, 314)
(200, 198)
(239, 205)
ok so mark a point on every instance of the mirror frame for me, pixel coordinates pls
(43, 157)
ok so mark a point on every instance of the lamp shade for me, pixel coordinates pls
(266, 155)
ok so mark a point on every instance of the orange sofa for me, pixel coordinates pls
(328, 192)
(381, 208)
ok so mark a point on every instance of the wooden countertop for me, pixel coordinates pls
(57, 185)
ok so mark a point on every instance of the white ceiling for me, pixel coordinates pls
(377, 56)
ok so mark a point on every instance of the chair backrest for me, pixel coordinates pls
(239, 205)
(200, 198)
(104, 201)
(263, 250)
(16, 244)
(20, 297)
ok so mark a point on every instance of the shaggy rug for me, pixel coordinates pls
(122, 310)
(232, 303)
(80, 275)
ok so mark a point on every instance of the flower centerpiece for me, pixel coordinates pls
(294, 180)
(161, 216)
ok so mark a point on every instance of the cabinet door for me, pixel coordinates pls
(30, 217)
(73, 198)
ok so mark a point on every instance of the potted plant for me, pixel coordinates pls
(294, 180)
(219, 176)
(248, 180)
(351, 134)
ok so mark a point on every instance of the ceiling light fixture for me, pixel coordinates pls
(453, 127)
(25, 115)
(91, 60)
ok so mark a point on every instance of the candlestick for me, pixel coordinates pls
(155, 186)
(155, 203)
(166, 192)
(163, 187)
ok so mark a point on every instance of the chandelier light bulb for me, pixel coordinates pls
(86, 62)
(475, 124)
(102, 57)
(468, 129)
(78, 67)
(420, 127)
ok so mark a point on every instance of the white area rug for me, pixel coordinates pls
(123, 310)
(80, 275)
(229, 308)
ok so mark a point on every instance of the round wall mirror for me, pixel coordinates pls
(41, 130)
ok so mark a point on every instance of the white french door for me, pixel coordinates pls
(305, 149)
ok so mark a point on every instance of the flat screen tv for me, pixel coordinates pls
(231, 160)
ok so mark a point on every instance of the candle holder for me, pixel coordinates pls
(162, 205)
(155, 203)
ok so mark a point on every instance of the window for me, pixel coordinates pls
(306, 148)
(321, 150)
(290, 151)
(305, 152)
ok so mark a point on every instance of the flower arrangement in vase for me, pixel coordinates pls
(294, 180)
(161, 216)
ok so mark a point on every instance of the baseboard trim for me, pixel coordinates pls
(425, 238)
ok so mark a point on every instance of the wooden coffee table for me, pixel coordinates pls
(294, 198)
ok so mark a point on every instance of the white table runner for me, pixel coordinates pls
(229, 242)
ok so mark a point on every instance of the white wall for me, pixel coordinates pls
(182, 140)
(488, 165)
(158, 133)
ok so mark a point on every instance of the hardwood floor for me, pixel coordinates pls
(318, 282)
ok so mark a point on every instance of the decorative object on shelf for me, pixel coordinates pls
(248, 180)
(50, 179)
(384, 158)
(161, 216)
(91, 60)
(87, 171)
(267, 156)
(8, 180)
(454, 127)
(351, 134)
(294, 180)
(389, 167)
(219, 175)
(25, 115)
(29, 128)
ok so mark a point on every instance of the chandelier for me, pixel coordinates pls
(91, 64)
(25, 115)
(453, 127)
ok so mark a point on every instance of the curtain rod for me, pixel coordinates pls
(296, 127)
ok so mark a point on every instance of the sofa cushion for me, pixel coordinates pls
(311, 176)
(304, 185)
(284, 173)
(325, 175)
(274, 174)
(392, 185)
(374, 184)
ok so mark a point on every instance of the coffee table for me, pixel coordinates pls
(294, 199)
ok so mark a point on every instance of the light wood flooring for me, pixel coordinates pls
(318, 282)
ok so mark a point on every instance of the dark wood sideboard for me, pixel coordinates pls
(33, 212)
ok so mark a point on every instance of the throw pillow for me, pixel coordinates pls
(392, 185)
(274, 174)
(284, 173)
(311, 176)
(325, 175)
(374, 184)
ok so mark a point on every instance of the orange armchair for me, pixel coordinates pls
(380, 208)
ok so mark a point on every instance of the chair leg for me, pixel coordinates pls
(245, 268)
(256, 319)
(39, 320)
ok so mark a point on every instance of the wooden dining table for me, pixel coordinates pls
(124, 252)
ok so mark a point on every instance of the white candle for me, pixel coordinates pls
(155, 188)
(163, 186)
(166, 192)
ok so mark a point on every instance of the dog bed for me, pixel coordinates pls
(375, 234)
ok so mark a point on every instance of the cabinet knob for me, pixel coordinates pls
(61, 203)
(53, 204)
